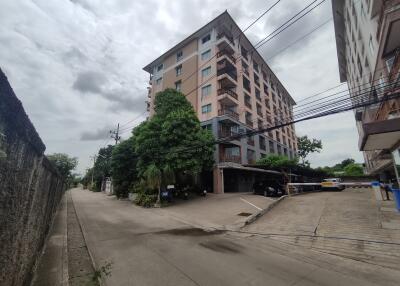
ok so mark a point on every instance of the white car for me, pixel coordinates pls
(332, 184)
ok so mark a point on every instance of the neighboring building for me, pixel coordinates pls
(232, 89)
(368, 48)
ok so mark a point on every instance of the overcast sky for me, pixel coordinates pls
(76, 65)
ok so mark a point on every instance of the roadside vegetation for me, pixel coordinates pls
(65, 165)
(169, 148)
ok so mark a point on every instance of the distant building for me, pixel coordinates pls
(232, 89)
(368, 48)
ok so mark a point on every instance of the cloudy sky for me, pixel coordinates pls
(76, 65)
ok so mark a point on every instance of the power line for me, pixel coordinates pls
(300, 39)
(267, 39)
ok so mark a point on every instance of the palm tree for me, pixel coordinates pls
(153, 179)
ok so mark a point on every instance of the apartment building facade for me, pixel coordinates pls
(368, 47)
(232, 89)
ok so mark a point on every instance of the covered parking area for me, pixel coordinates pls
(238, 178)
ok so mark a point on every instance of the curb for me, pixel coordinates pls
(100, 280)
(262, 212)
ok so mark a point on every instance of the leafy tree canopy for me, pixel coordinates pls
(63, 163)
(354, 169)
(306, 146)
(173, 137)
(123, 167)
(102, 167)
(278, 162)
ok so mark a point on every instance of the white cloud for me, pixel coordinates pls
(46, 47)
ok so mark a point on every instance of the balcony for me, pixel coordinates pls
(229, 113)
(227, 54)
(229, 92)
(249, 123)
(148, 106)
(225, 41)
(224, 132)
(230, 158)
(226, 73)
(250, 141)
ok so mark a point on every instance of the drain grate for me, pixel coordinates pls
(244, 214)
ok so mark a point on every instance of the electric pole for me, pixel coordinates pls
(94, 162)
(115, 134)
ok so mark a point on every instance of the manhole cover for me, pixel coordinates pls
(244, 214)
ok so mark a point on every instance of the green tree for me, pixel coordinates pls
(353, 169)
(102, 167)
(306, 146)
(278, 162)
(64, 164)
(172, 139)
(123, 167)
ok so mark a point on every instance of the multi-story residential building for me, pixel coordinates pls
(232, 89)
(368, 46)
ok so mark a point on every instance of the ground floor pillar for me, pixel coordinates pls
(218, 180)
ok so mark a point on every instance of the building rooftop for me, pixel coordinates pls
(222, 18)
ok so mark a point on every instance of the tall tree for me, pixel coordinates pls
(64, 164)
(306, 146)
(173, 138)
(102, 167)
(123, 167)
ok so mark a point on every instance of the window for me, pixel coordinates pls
(206, 108)
(244, 52)
(255, 66)
(160, 67)
(178, 85)
(178, 70)
(158, 81)
(207, 127)
(258, 95)
(371, 45)
(206, 55)
(205, 39)
(179, 56)
(206, 72)
(205, 90)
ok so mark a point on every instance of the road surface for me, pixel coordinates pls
(146, 247)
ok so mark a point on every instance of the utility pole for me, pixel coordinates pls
(115, 135)
(94, 162)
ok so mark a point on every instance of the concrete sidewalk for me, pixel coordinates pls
(349, 224)
(52, 269)
(220, 211)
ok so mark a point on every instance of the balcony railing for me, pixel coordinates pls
(249, 123)
(226, 53)
(250, 141)
(247, 103)
(230, 158)
(222, 35)
(227, 91)
(228, 112)
(222, 133)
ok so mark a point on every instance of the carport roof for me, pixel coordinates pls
(251, 169)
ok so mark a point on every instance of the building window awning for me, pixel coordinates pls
(380, 135)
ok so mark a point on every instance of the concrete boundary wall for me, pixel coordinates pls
(30, 190)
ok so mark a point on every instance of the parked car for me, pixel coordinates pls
(268, 188)
(332, 184)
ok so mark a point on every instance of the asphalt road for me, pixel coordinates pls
(146, 247)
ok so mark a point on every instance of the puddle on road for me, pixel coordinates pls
(222, 246)
(191, 232)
